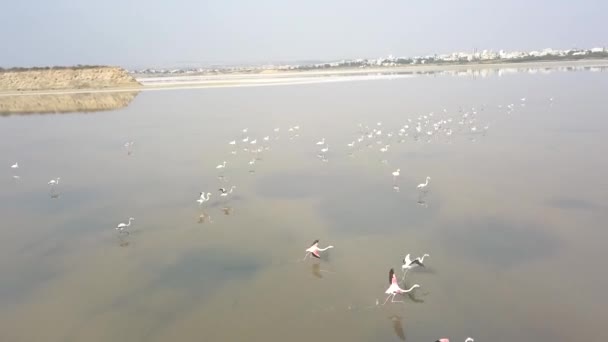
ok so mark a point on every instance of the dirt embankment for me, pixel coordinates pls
(66, 78)
(64, 103)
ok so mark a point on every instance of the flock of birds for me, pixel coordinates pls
(429, 127)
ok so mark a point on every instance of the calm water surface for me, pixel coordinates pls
(514, 221)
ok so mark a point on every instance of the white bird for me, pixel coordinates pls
(469, 339)
(321, 142)
(314, 250)
(224, 192)
(523, 99)
(202, 198)
(15, 166)
(266, 138)
(277, 129)
(233, 142)
(325, 149)
(245, 130)
(385, 148)
(409, 264)
(128, 144)
(396, 173)
(425, 184)
(254, 141)
(221, 166)
(55, 181)
(246, 139)
(394, 288)
(351, 144)
(296, 127)
(252, 161)
(122, 226)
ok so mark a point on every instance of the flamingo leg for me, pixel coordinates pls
(307, 254)
(395, 301)
(404, 273)
(389, 296)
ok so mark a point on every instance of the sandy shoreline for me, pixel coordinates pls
(308, 77)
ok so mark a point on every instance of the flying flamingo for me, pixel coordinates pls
(469, 339)
(409, 264)
(123, 226)
(394, 289)
(422, 186)
(314, 250)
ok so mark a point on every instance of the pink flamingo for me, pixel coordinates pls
(448, 340)
(394, 289)
(314, 250)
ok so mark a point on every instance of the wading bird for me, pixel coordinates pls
(321, 142)
(469, 339)
(394, 289)
(314, 250)
(15, 166)
(422, 186)
(409, 264)
(224, 192)
(54, 182)
(221, 166)
(202, 198)
(123, 226)
(396, 174)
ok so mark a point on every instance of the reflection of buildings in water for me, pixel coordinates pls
(65, 103)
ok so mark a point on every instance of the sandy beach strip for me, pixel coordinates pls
(315, 76)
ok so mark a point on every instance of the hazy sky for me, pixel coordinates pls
(135, 33)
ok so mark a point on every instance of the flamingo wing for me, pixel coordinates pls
(316, 254)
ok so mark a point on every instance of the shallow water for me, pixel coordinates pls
(513, 220)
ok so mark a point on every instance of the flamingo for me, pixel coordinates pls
(254, 141)
(55, 181)
(224, 192)
(409, 264)
(321, 142)
(469, 339)
(394, 289)
(422, 186)
(325, 149)
(266, 138)
(122, 226)
(246, 139)
(203, 199)
(396, 174)
(233, 142)
(221, 166)
(15, 166)
(314, 250)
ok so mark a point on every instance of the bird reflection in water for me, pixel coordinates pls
(227, 210)
(398, 326)
(123, 240)
(204, 218)
(54, 194)
(422, 200)
(317, 271)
